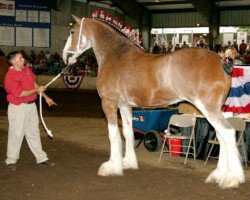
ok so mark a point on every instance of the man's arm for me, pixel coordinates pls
(37, 89)
(48, 100)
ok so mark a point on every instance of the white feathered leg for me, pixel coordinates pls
(129, 160)
(235, 175)
(114, 165)
(221, 166)
(229, 172)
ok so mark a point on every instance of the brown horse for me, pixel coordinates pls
(4, 66)
(128, 77)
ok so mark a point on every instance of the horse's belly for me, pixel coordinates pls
(151, 100)
(158, 103)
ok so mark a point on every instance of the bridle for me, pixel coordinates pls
(78, 51)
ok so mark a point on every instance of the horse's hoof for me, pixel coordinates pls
(129, 164)
(225, 181)
(213, 177)
(108, 169)
(229, 182)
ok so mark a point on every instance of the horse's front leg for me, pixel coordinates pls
(114, 165)
(129, 160)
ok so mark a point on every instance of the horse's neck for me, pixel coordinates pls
(106, 42)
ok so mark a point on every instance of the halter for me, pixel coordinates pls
(79, 36)
(78, 50)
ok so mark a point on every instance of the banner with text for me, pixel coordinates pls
(25, 23)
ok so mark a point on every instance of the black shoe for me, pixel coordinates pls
(46, 163)
(12, 166)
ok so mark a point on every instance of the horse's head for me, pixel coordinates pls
(77, 42)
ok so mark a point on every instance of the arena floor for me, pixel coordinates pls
(80, 146)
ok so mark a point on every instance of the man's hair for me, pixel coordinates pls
(12, 55)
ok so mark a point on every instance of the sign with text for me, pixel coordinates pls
(25, 17)
(7, 8)
(241, 36)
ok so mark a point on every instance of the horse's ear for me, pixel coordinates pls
(78, 20)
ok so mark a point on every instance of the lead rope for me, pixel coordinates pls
(77, 53)
(49, 133)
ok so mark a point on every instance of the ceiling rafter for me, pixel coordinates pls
(208, 9)
(133, 9)
(153, 3)
(164, 6)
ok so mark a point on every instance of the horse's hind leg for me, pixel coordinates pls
(229, 172)
(129, 160)
(114, 165)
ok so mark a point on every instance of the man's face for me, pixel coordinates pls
(18, 61)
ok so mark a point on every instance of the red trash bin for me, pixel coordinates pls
(172, 143)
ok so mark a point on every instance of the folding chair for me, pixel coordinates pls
(182, 121)
(239, 125)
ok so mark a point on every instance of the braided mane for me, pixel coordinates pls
(118, 25)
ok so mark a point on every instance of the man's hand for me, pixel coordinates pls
(37, 89)
(49, 101)
(40, 89)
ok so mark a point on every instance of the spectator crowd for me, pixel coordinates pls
(46, 63)
(243, 49)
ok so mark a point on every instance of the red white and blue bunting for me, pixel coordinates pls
(72, 82)
(238, 100)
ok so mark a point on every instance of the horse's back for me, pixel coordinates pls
(190, 64)
(191, 60)
(196, 72)
(196, 63)
(197, 58)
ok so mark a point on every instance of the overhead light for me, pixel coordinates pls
(157, 1)
(198, 24)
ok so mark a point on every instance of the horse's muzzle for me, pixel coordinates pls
(66, 57)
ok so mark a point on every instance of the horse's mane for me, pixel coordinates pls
(118, 26)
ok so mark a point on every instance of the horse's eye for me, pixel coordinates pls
(71, 32)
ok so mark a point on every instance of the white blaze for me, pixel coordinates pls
(66, 47)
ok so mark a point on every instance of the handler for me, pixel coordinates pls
(23, 119)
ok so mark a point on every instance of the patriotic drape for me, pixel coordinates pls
(238, 100)
(73, 82)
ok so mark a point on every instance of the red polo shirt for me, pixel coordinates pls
(17, 81)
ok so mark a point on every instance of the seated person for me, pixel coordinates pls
(247, 57)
